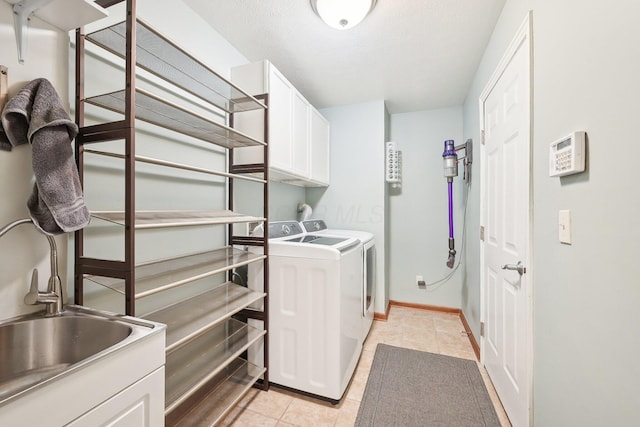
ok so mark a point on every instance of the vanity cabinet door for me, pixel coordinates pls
(141, 405)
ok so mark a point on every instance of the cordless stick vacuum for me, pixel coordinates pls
(450, 157)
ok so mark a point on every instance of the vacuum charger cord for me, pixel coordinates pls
(443, 280)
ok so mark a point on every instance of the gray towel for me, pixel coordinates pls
(36, 115)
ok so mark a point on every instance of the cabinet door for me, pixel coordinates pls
(280, 129)
(252, 78)
(301, 138)
(320, 143)
(298, 134)
(140, 405)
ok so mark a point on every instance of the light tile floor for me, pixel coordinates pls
(418, 329)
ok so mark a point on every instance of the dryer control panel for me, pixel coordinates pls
(312, 225)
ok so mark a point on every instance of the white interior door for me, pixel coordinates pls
(506, 341)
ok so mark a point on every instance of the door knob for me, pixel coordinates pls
(519, 267)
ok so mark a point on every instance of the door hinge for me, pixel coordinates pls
(481, 329)
(482, 134)
(482, 233)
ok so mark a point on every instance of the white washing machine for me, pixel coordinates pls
(368, 286)
(315, 335)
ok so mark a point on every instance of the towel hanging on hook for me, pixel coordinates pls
(36, 115)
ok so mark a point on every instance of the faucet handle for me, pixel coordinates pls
(36, 297)
(32, 297)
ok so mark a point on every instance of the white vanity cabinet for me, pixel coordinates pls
(123, 387)
(298, 134)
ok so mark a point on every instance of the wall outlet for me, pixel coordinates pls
(420, 282)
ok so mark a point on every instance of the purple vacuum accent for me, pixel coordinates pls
(450, 185)
(449, 148)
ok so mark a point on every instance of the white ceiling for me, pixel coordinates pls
(414, 54)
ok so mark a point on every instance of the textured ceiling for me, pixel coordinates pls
(414, 54)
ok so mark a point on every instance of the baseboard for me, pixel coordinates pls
(467, 328)
(472, 339)
(426, 307)
(383, 316)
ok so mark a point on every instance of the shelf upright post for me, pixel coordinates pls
(78, 293)
(261, 241)
(265, 269)
(230, 238)
(229, 183)
(130, 117)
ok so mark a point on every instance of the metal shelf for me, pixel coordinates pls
(160, 112)
(162, 219)
(191, 367)
(159, 162)
(205, 375)
(190, 318)
(165, 59)
(161, 275)
(234, 382)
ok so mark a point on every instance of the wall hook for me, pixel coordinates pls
(4, 86)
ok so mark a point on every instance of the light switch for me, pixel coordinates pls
(564, 226)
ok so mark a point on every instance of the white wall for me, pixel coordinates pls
(283, 200)
(585, 77)
(419, 224)
(186, 28)
(23, 248)
(355, 199)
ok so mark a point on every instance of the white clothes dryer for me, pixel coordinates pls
(314, 334)
(368, 287)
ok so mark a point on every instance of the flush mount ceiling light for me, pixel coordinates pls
(342, 14)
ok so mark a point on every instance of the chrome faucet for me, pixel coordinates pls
(52, 298)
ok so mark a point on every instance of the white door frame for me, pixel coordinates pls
(523, 36)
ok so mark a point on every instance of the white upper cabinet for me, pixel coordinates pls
(298, 134)
(300, 142)
(319, 157)
(280, 130)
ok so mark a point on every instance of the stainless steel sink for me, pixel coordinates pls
(36, 349)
